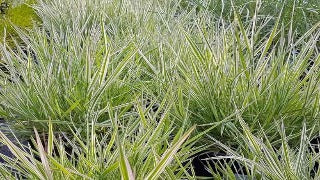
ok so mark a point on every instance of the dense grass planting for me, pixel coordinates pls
(304, 13)
(151, 89)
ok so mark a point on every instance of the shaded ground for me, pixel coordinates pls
(4, 128)
(3, 148)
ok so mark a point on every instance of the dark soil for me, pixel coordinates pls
(4, 127)
(205, 167)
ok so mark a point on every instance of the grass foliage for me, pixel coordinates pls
(262, 160)
(114, 89)
(126, 150)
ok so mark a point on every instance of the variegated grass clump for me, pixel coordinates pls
(261, 159)
(229, 67)
(131, 148)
